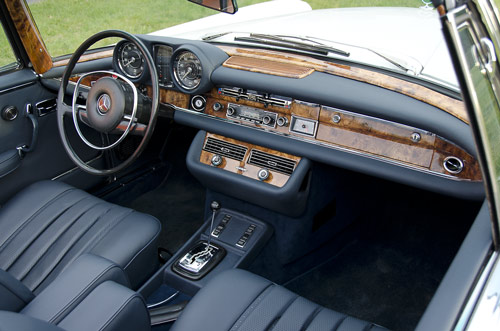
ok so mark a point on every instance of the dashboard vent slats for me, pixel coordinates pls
(224, 148)
(272, 162)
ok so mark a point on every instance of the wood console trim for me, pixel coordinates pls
(30, 35)
(362, 134)
(263, 57)
(275, 178)
(275, 68)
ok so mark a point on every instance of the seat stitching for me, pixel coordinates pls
(145, 246)
(65, 252)
(311, 318)
(252, 307)
(339, 323)
(86, 247)
(41, 254)
(280, 314)
(122, 307)
(95, 280)
(14, 258)
(30, 218)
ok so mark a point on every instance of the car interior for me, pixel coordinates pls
(175, 184)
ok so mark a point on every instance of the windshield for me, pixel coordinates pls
(405, 36)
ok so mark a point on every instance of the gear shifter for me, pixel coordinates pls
(215, 206)
(204, 256)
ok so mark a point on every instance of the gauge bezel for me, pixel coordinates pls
(206, 69)
(117, 59)
(176, 57)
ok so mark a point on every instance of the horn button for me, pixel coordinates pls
(108, 100)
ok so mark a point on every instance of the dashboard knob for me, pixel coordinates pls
(217, 106)
(198, 103)
(282, 121)
(267, 120)
(216, 160)
(263, 174)
(231, 110)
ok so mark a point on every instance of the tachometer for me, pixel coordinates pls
(130, 60)
(187, 70)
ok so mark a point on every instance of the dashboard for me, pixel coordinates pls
(264, 112)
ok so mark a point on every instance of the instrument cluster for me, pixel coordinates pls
(179, 67)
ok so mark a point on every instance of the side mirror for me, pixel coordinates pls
(225, 6)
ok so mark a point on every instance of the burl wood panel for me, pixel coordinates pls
(392, 141)
(30, 36)
(275, 178)
(310, 111)
(268, 67)
(175, 98)
(443, 149)
(86, 57)
(267, 58)
(87, 81)
(375, 137)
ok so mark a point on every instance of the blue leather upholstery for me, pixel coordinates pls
(72, 286)
(14, 295)
(50, 224)
(239, 300)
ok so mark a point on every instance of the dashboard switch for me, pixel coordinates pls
(216, 160)
(282, 121)
(198, 103)
(217, 106)
(230, 111)
(263, 174)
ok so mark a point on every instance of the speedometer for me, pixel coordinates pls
(187, 70)
(130, 60)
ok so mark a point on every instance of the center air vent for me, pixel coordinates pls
(272, 162)
(226, 149)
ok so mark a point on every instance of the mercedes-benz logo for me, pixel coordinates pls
(103, 104)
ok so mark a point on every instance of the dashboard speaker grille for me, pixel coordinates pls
(272, 162)
(224, 148)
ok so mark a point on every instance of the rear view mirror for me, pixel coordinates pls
(225, 6)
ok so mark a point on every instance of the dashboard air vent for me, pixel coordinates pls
(224, 148)
(272, 162)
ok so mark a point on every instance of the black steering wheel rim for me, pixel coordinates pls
(62, 108)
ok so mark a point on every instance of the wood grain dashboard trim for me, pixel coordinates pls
(243, 167)
(361, 134)
(30, 35)
(260, 60)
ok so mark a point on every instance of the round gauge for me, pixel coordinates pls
(187, 70)
(130, 60)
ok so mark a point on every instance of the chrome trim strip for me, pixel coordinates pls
(10, 89)
(75, 168)
(468, 310)
(339, 148)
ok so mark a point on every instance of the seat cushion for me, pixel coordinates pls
(48, 225)
(239, 300)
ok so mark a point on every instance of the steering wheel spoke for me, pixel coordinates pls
(111, 107)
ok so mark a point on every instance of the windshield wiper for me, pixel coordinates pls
(284, 41)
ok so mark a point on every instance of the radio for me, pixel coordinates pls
(252, 115)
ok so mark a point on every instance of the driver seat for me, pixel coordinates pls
(48, 225)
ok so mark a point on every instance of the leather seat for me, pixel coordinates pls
(239, 300)
(48, 225)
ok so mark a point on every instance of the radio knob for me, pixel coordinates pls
(231, 110)
(267, 120)
(263, 174)
(282, 121)
(217, 106)
(216, 160)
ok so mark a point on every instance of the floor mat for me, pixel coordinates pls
(178, 204)
(389, 274)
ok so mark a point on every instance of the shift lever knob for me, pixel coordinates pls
(215, 206)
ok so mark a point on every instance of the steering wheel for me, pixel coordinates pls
(112, 105)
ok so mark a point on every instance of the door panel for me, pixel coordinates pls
(48, 159)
